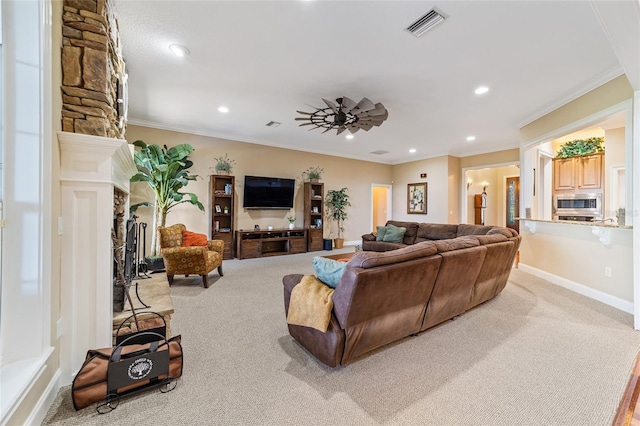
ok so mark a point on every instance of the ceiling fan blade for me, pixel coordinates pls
(331, 105)
(305, 124)
(306, 113)
(348, 104)
(302, 118)
(330, 128)
(366, 126)
(353, 128)
(341, 129)
(378, 110)
(364, 105)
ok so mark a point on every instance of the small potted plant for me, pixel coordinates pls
(292, 221)
(224, 165)
(313, 174)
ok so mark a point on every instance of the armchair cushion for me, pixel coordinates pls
(193, 239)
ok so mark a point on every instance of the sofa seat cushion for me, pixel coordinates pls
(381, 246)
(436, 231)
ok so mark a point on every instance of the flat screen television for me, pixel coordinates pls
(268, 193)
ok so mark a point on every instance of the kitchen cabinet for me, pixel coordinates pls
(578, 173)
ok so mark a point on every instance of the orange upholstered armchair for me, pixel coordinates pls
(188, 253)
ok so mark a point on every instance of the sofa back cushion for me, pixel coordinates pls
(453, 288)
(372, 259)
(381, 304)
(507, 232)
(410, 234)
(466, 229)
(436, 231)
(456, 244)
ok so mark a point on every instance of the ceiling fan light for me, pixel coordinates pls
(179, 50)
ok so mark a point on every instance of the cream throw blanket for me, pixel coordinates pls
(311, 304)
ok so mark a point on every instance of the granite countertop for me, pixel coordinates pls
(569, 222)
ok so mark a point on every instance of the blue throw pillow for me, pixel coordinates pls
(394, 234)
(380, 231)
(328, 271)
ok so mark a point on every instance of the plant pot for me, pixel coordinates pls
(155, 263)
(292, 225)
(223, 172)
(338, 243)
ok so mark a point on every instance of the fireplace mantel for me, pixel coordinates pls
(91, 168)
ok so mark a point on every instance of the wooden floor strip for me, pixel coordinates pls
(629, 411)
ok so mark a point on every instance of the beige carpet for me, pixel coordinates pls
(535, 355)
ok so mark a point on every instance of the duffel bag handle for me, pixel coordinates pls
(136, 319)
(116, 355)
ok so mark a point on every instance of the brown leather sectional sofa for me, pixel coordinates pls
(388, 295)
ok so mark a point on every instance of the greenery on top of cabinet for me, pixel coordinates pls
(581, 147)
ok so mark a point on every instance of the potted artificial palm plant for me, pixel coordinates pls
(337, 202)
(166, 171)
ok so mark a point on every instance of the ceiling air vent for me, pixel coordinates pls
(425, 23)
(379, 152)
(272, 124)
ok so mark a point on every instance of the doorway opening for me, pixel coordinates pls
(381, 206)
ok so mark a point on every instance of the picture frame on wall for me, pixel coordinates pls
(417, 198)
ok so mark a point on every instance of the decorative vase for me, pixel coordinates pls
(292, 225)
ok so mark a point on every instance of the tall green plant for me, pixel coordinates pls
(337, 203)
(166, 171)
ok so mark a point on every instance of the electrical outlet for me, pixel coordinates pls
(607, 271)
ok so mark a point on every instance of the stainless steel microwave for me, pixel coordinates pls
(587, 205)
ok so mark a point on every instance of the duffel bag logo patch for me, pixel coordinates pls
(140, 368)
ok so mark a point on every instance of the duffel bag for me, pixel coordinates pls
(104, 369)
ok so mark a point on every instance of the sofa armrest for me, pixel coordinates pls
(368, 237)
(289, 282)
(216, 245)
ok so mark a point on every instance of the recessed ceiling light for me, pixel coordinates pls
(412, 150)
(481, 90)
(179, 50)
(471, 138)
(349, 137)
(223, 109)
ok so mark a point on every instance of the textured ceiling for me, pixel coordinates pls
(264, 60)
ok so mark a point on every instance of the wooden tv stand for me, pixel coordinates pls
(253, 244)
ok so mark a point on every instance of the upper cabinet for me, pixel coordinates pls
(578, 173)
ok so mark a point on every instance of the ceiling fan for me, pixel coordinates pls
(345, 114)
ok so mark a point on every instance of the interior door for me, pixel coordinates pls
(513, 203)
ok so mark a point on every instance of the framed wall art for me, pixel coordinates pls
(417, 198)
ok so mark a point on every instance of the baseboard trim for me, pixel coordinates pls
(582, 289)
(39, 412)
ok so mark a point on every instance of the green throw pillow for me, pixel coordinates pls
(380, 231)
(328, 271)
(394, 234)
